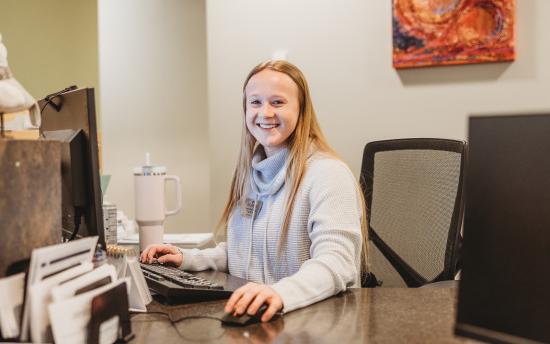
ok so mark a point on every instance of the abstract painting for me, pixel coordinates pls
(450, 32)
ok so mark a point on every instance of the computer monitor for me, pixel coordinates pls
(74, 191)
(70, 118)
(504, 292)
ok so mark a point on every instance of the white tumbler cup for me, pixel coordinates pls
(150, 204)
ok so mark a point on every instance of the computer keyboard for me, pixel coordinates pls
(174, 286)
(184, 279)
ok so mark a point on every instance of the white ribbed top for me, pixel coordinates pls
(321, 256)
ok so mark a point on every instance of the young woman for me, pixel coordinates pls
(295, 216)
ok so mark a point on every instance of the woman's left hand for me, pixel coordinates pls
(250, 297)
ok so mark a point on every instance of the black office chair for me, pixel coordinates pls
(414, 194)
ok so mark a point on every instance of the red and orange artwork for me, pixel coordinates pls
(450, 32)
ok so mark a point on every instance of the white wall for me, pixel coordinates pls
(153, 97)
(344, 48)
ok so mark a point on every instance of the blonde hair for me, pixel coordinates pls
(307, 136)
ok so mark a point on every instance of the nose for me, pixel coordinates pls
(266, 111)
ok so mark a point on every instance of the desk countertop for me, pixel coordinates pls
(381, 315)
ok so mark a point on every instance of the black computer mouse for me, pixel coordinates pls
(243, 320)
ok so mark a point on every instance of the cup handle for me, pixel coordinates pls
(178, 194)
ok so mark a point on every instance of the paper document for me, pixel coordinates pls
(183, 239)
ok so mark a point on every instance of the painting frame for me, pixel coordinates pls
(429, 33)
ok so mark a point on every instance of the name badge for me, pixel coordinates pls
(251, 207)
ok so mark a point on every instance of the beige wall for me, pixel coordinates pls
(153, 78)
(157, 96)
(344, 48)
(51, 44)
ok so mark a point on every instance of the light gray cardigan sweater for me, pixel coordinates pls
(321, 255)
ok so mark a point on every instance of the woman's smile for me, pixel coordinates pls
(267, 126)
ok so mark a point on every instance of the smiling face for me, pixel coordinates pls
(272, 109)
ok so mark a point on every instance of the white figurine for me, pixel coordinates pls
(13, 97)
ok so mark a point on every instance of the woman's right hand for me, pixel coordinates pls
(164, 254)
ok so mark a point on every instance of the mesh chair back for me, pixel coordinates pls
(413, 189)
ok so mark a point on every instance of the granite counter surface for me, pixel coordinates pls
(381, 315)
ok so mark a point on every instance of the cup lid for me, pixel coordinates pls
(150, 170)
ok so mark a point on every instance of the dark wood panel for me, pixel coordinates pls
(30, 198)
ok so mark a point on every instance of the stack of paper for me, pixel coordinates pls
(187, 240)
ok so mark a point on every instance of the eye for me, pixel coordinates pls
(278, 102)
(254, 102)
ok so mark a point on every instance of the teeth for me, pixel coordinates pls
(267, 126)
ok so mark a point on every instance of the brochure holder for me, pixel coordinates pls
(107, 306)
